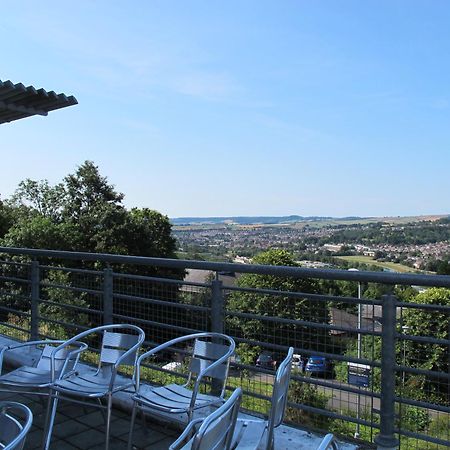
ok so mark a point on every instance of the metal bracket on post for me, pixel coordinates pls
(35, 282)
(386, 439)
(107, 296)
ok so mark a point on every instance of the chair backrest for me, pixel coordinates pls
(115, 345)
(206, 353)
(15, 422)
(279, 396)
(44, 361)
(216, 431)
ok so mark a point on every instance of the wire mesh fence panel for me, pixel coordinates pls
(323, 331)
(164, 309)
(70, 301)
(15, 305)
(423, 375)
(337, 325)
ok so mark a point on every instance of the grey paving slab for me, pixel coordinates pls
(78, 428)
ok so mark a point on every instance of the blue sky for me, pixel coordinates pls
(212, 108)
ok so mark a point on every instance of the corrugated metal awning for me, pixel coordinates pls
(18, 101)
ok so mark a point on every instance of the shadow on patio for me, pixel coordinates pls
(78, 428)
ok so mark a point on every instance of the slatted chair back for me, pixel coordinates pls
(44, 361)
(206, 353)
(120, 343)
(115, 345)
(280, 395)
(216, 431)
(15, 421)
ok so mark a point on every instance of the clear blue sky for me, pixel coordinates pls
(200, 108)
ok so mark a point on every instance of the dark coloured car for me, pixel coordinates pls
(318, 365)
(265, 361)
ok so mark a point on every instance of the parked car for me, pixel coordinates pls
(234, 370)
(299, 362)
(319, 365)
(265, 361)
(172, 366)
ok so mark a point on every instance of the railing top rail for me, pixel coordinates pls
(284, 271)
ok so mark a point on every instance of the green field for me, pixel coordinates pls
(383, 264)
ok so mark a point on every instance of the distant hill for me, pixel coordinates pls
(244, 220)
(290, 220)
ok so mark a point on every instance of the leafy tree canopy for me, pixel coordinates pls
(6, 218)
(82, 213)
(286, 306)
(420, 322)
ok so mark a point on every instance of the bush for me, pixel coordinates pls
(307, 394)
(413, 418)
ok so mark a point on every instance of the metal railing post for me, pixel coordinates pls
(217, 321)
(35, 282)
(386, 439)
(107, 296)
(217, 306)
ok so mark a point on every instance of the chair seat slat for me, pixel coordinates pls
(29, 376)
(175, 397)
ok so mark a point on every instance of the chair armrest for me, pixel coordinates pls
(185, 435)
(189, 337)
(74, 353)
(204, 372)
(327, 442)
(153, 352)
(135, 348)
(20, 345)
(220, 361)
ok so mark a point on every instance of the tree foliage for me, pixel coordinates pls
(6, 218)
(434, 357)
(285, 306)
(420, 355)
(85, 213)
(309, 395)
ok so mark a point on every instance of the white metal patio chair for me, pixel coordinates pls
(259, 434)
(15, 422)
(119, 348)
(209, 359)
(215, 432)
(56, 360)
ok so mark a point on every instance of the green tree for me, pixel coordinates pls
(39, 198)
(277, 306)
(309, 395)
(421, 355)
(36, 231)
(434, 357)
(85, 213)
(6, 218)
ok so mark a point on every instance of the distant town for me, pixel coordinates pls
(403, 244)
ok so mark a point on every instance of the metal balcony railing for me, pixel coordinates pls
(385, 362)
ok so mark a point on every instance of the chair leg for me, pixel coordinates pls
(144, 421)
(130, 435)
(108, 421)
(102, 411)
(50, 420)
